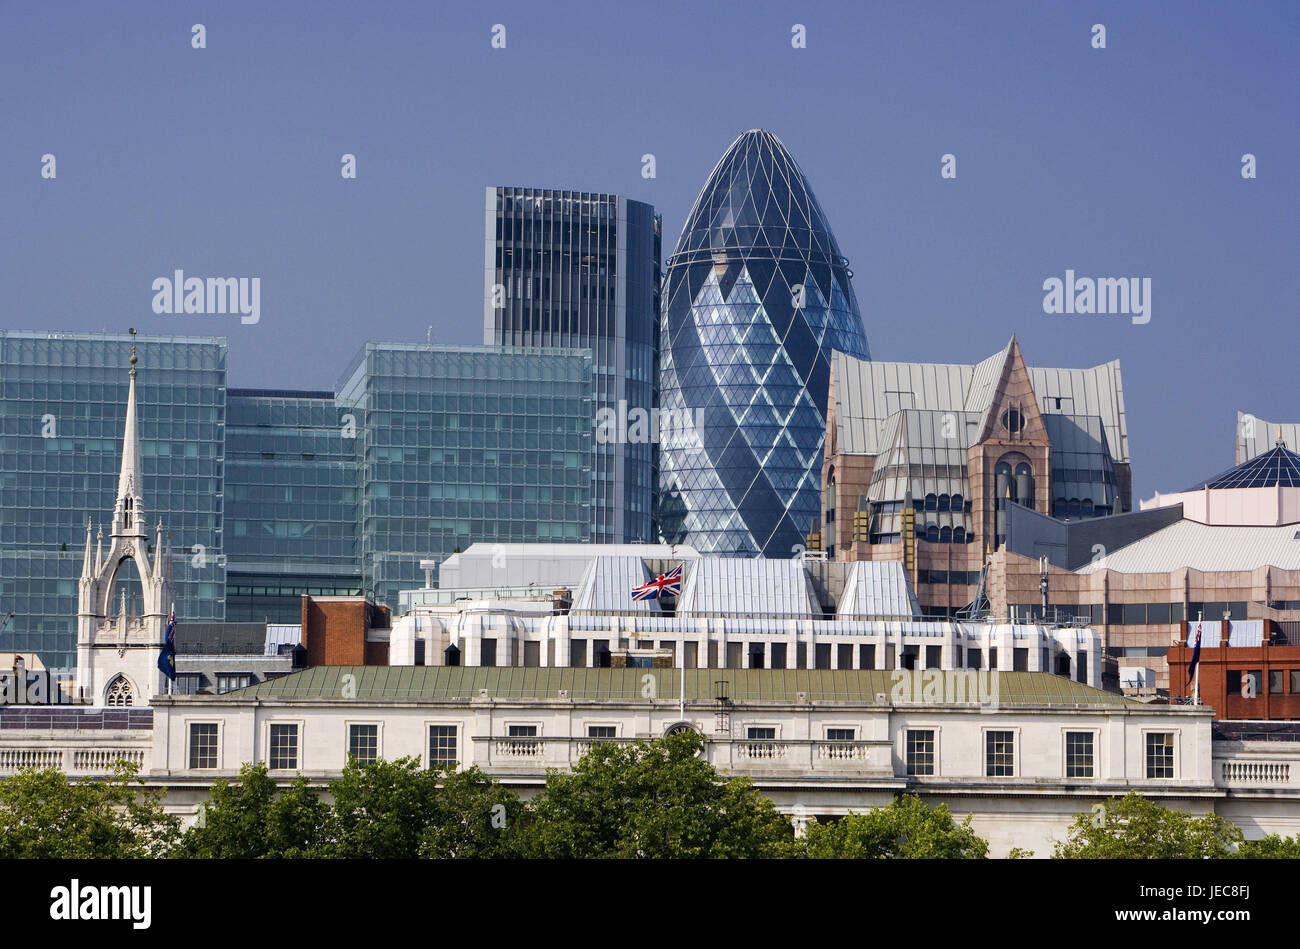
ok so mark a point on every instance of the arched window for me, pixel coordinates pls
(959, 535)
(945, 502)
(119, 694)
(945, 535)
(931, 502)
(126, 510)
(958, 503)
(932, 533)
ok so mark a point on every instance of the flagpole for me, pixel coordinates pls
(681, 649)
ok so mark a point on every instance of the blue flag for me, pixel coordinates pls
(167, 658)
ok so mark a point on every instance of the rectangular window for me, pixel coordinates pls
(844, 655)
(600, 731)
(1160, 755)
(229, 681)
(1275, 681)
(839, 734)
(1020, 659)
(920, 751)
(778, 655)
(203, 745)
(1078, 755)
(442, 746)
(756, 733)
(489, 652)
(932, 654)
(363, 743)
(532, 654)
(999, 754)
(1295, 681)
(522, 731)
(284, 748)
(578, 653)
(866, 656)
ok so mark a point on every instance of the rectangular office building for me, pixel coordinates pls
(461, 444)
(62, 402)
(574, 269)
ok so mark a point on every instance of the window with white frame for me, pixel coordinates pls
(283, 751)
(920, 751)
(363, 743)
(203, 744)
(1160, 754)
(999, 754)
(839, 734)
(442, 746)
(1079, 755)
(229, 681)
(602, 732)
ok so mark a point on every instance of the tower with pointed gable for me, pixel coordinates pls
(118, 643)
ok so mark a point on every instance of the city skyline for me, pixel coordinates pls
(1115, 162)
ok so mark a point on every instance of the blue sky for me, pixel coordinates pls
(1118, 162)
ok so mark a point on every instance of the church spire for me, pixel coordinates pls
(129, 517)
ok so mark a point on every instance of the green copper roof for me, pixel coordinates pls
(741, 685)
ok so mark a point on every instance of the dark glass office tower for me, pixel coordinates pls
(570, 269)
(757, 297)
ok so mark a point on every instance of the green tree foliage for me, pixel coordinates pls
(905, 828)
(653, 799)
(43, 815)
(1271, 847)
(1135, 828)
(251, 819)
(474, 818)
(383, 809)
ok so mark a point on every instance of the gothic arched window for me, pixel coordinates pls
(119, 694)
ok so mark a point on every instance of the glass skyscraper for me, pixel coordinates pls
(757, 297)
(271, 494)
(62, 404)
(572, 269)
(467, 443)
(291, 502)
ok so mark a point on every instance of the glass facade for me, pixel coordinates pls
(291, 502)
(62, 410)
(571, 269)
(757, 297)
(462, 444)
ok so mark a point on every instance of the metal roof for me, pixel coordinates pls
(1205, 547)
(878, 588)
(747, 586)
(741, 685)
(608, 583)
(868, 393)
(1255, 436)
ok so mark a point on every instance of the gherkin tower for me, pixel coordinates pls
(757, 296)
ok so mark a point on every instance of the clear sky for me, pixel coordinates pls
(1115, 162)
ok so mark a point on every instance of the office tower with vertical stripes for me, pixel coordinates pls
(576, 270)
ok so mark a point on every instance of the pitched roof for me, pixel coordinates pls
(868, 393)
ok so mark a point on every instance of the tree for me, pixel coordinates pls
(252, 819)
(43, 815)
(904, 828)
(1135, 828)
(474, 818)
(1271, 847)
(653, 799)
(383, 809)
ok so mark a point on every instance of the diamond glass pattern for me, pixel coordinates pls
(757, 297)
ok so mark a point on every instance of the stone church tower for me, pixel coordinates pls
(117, 653)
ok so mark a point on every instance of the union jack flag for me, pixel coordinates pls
(666, 584)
